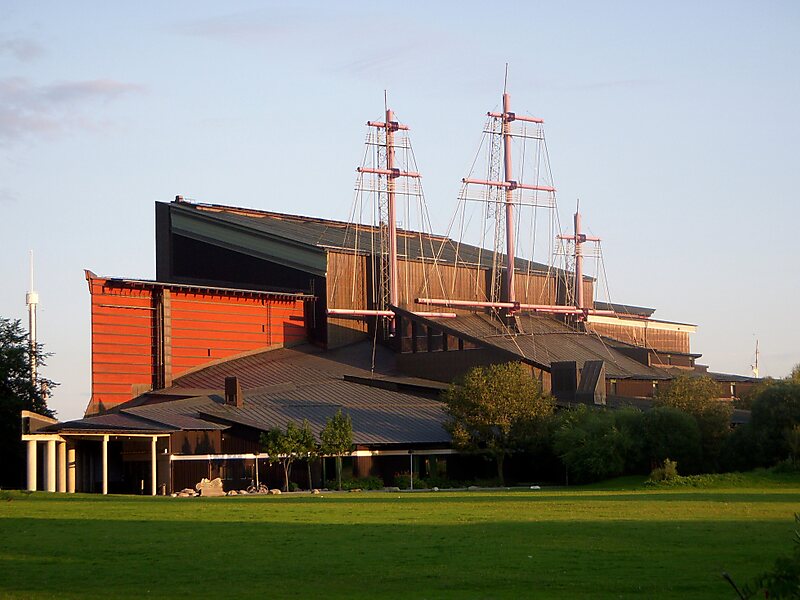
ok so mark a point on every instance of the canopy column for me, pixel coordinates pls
(105, 464)
(32, 465)
(153, 465)
(62, 467)
(51, 465)
(71, 467)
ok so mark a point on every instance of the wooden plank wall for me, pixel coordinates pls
(350, 278)
(346, 288)
(123, 343)
(426, 279)
(140, 341)
(658, 339)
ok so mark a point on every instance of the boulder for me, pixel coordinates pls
(315, 491)
(232, 493)
(355, 490)
(274, 492)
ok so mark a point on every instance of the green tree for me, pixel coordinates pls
(337, 440)
(496, 410)
(794, 376)
(590, 444)
(775, 412)
(283, 447)
(699, 397)
(307, 447)
(17, 393)
(671, 433)
(741, 451)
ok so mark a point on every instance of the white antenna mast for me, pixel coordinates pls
(754, 367)
(32, 299)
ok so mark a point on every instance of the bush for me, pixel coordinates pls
(788, 467)
(699, 397)
(741, 451)
(591, 445)
(669, 432)
(358, 483)
(668, 471)
(403, 481)
(701, 481)
(293, 487)
(629, 421)
(775, 412)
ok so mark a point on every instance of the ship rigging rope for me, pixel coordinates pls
(645, 343)
(461, 207)
(550, 267)
(425, 221)
(353, 222)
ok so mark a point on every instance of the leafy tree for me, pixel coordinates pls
(671, 433)
(283, 447)
(337, 440)
(590, 444)
(699, 397)
(17, 393)
(496, 410)
(794, 376)
(307, 447)
(775, 411)
(741, 451)
(630, 422)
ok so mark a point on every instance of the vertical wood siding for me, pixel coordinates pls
(137, 345)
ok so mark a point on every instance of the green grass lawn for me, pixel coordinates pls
(620, 540)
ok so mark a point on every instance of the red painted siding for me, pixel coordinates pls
(144, 334)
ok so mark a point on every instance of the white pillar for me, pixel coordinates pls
(71, 468)
(51, 465)
(105, 464)
(62, 467)
(32, 465)
(153, 466)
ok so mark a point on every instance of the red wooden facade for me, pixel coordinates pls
(144, 333)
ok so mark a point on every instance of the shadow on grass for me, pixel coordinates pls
(498, 559)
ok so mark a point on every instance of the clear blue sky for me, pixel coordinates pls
(675, 123)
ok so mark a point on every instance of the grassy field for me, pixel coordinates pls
(620, 540)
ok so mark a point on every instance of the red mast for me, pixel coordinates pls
(510, 185)
(579, 238)
(388, 226)
(509, 304)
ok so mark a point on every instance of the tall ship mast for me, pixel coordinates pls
(510, 205)
(388, 259)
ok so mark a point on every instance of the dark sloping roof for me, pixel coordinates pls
(300, 364)
(546, 341)
(324, 233)
(108, 423)
(292, 384)
(180, 414)
(729, 377)
(380, 417)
